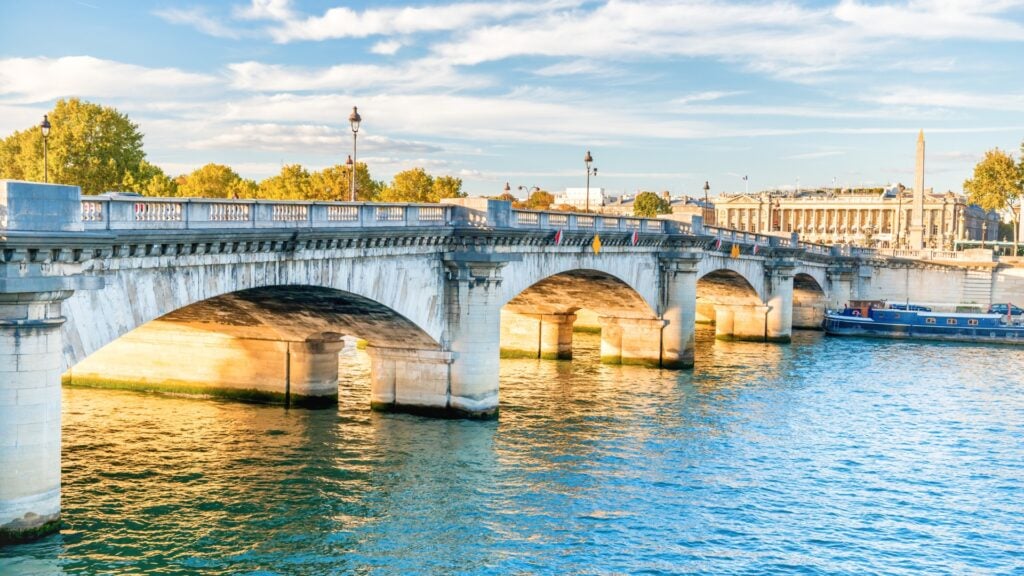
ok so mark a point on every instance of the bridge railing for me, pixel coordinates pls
(139, 213)
(552, 220)
(728, 235)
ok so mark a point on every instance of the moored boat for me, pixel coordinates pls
(872, 318)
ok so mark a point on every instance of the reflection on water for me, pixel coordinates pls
(824, 456)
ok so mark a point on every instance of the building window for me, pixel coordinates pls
(972, 322)
(951, 321)
(929, 320)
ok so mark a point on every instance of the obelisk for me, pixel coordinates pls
(915, 237)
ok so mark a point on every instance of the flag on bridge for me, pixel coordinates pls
(558, 238)
(596, 244)
(718, 244)
(735, 252)
(636, 237)
(754, 251)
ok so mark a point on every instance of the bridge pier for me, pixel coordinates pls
(635, 341)
(409, 380)
(679, 276)
(262, 368)
(30, 362)
(744, 322)
(779, 316)
(544, 336)
(841, 281)
(473, 332)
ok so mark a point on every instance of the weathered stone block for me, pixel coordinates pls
(35, 207)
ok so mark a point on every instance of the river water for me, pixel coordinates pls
(837, 456)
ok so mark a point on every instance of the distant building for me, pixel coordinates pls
(577, 198)
(880, 219)
(883, 218)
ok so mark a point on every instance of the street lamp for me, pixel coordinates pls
(707, 221)
(44, 127)
(351, 174)
(354, 119)
(588, 160)
(508, 190)
(527, 189)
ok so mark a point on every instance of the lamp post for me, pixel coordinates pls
(354, 119)
(707, 221)
(44, 127)
(527, 190)
(588, 160)
(351, 165)
(508, 190)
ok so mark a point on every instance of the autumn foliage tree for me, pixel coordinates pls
(91, 146)
(649, 205)
(998, 184)
(215, 181)
(416, 185)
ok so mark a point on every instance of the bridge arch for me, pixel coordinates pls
(727, 299)
(809, 302)
(265, 344)
(538, 322)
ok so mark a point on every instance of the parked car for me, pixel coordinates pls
(1001, 309)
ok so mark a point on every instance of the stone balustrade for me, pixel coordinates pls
(115, 212)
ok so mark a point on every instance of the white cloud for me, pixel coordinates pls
(199, 19)
(946, 99)
(934, 19)
(280, 10)
(574, 67)
(309, 138)
(386, 47)
(412, 75)
(814, 155)
(42, 79)
(344, 22)
(705, 96)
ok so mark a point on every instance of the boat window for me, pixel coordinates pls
(972, 322)
(929, 320)
(950, 320)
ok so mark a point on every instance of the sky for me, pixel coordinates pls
(665, 95)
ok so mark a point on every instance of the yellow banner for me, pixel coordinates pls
(735, 251)
(596, 244)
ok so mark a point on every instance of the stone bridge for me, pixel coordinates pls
(252, 299)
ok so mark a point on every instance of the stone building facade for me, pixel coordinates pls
(878, 219)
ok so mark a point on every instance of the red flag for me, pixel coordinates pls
(754, 252)
(558, 238)
(636, 237)
(718, 244)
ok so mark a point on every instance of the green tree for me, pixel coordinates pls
(539, 200)
(90, 146)
(215, 181)
(649, 205)
(997, 185)
(293, 183)
(446, 187)
(333, 183)
(149, 181)
(416, 185)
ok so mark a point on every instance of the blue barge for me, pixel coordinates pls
(873, 319)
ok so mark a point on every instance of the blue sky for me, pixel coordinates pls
(666, 95)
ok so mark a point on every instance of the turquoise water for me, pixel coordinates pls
(827, 456)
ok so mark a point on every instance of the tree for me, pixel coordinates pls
(293, 183)
(149, 181)
(215, 181)
(649, 205)
(997, 186)
(539, 200)
(416, 185)
(333, 183)
(90, 146)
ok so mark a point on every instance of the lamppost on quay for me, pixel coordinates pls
(354, 119)
(351, 174)
(588, 160)
(527, 190)
(707, 187)
(44, 127)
